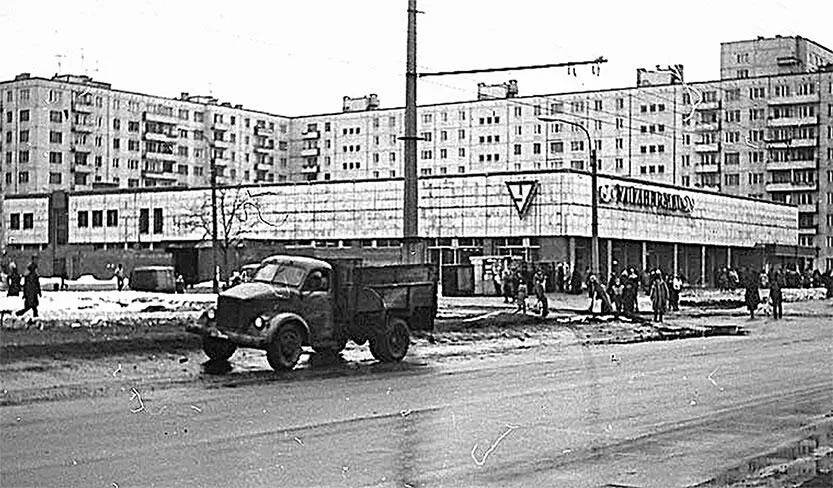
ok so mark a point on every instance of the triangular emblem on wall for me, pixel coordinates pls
(522, 193)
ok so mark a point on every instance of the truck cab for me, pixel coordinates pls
(295, 301)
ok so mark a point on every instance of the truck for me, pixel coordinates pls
(297, 301)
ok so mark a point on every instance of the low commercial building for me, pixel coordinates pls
(541, 216)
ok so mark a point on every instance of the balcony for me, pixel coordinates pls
(82, 107)
(161, 118)
(311, 134)
(792, 121)
(791, 186)
(310, 168)
(788, 143)
(159, 175)
(154, 156)
(784, 165)
(220, 143)
(310, 152)
(223, 126)
(794, 99)
(80, 168)
(264, 149)
(808, 208)
(81, 148)
(808, 229)
(710, 147)
(263, 167)
(261, 130)
(707, 126)
(704, 106)
(706, 168)
(82, 127)
(161, 136)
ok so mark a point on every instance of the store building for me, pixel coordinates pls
(541, 216)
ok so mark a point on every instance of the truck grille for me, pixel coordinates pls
(227, 313)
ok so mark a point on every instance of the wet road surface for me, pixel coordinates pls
(663, 414)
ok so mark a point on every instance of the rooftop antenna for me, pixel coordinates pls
(83, 66)
(58, 59)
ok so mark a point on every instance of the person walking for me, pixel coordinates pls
(659, 296)
(751, 297)
(31, 291)
(506, 277)
(674, 292)
(776, 297)
(13, 280)
(119, 274)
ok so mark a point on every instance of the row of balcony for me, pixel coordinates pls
(792, 186)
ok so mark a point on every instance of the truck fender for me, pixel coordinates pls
(277, 321)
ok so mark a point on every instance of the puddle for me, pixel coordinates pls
(806, 463)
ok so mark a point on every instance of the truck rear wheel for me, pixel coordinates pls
(392, 344)
(217, 349)
(284, 351)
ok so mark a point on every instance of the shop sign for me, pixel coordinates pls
(643, 197)
(522, 193)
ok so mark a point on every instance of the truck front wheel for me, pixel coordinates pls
(392, 344)
(284, 351)
(217, 349)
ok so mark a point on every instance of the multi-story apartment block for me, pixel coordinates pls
(764, 130)
(71, 132)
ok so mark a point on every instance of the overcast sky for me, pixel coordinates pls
(302, 57)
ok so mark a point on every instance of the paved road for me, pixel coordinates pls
(657, 414)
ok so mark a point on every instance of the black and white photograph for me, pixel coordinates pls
(416, 243)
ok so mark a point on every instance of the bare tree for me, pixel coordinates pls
(238, 212)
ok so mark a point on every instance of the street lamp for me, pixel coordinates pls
(594, 202)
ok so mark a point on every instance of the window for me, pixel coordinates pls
(98, 218)
(14, 221)
(56, 116)
(23, 177)
(24, 116)
(112, 218)
(55, 178)
(83, 218)
(157, 221)
(23, 136)
(536, 148)
(517, 149)
(56, 137)
(732, 180)
(28, 221)
(23, 157)
(144, 219)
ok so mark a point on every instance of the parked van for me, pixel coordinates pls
(153, 278)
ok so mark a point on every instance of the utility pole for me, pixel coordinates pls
(215, 283)
(410, 223)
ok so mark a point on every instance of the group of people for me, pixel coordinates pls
(29, 284)
(623, 292)
(517, 280)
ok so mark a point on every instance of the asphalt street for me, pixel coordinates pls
(664, 414)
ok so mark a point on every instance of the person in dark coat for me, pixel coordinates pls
(775, 295)
(659, 296)
(13, 280)
(559, 277)
(576, 282)
(752, 297)
(31, 291)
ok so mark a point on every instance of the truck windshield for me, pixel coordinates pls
(280, 274)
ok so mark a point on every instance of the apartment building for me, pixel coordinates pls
(75, 133)
(764, 130)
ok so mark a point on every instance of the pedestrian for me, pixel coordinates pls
(592, 292)
(734, 279)
(506, 278)
(752, 296)
(617, 293)
(659, 296)
(13, 280)
(776, 297)
(31, 291)
(576, 282)
(179, 284)
(520, 298)
(496, 277)
(674, 292)
(559, 277)
(119, 274)
(633, 278)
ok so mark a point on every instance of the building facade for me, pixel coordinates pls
(541, 216)
(764, 130)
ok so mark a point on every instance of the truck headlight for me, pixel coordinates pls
(259, 322)
(210, 314)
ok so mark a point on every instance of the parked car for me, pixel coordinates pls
(153, 278)
(293, 302)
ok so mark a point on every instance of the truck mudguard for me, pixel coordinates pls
(278, 320)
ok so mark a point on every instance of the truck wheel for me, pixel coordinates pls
(284, 351)
(392, 345)
(218, 349)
